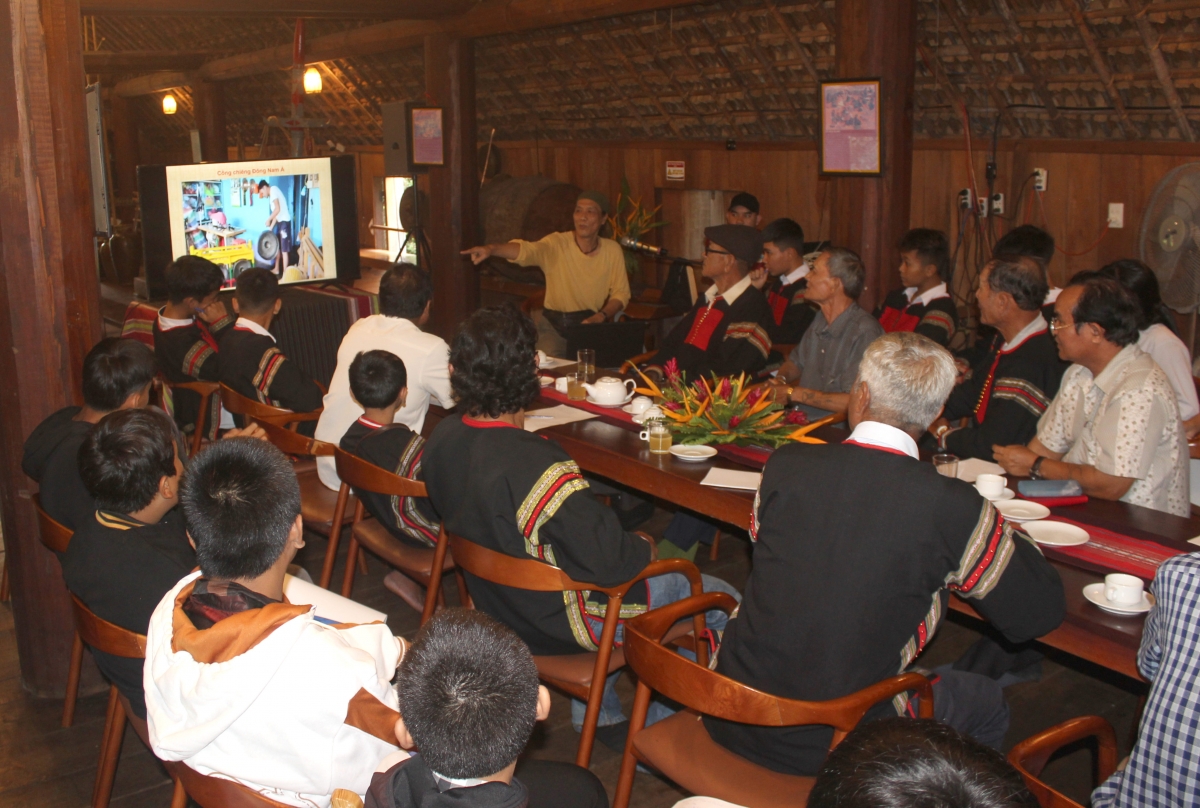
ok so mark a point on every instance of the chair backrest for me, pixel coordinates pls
(358, 473)
(286, 440)
(711, 693)
(519, 573)
(217, 792)
(534, 302)
(238, 404)
(105, 636)
(1030, 756)
(55, 536)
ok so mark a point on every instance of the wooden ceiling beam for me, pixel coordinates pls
(1101, 64)
(330, 9)
(143, 61)
(1027, 65)
(486, 18)
(154, 83)
(1161, 70)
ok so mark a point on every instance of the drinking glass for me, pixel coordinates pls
(575, 389)
(946, 464)
(586, 359)
(659, 438)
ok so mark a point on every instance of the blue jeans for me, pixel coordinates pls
(663, 589)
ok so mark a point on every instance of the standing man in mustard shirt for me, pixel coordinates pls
(585, 274)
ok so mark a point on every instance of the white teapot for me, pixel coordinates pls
(611, 390)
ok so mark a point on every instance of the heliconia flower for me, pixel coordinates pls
(734, 420)
(796, 418)
(725, 390)
(671, 368)
(701, 390)
(673, 406)
(754, 395)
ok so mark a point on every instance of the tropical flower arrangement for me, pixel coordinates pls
(629, 218)
(725, 411)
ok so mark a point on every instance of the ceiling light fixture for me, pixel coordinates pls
(169, 105)
(312, 81)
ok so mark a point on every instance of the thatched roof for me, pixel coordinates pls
(744, 69)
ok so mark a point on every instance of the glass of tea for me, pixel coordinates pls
(659, 437)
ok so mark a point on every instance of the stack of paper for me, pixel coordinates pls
(330, 605)
(555, 416)
(554, 363)
(728, 478)
(972, 467)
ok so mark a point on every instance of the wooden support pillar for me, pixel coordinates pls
(125, 153)
(876, 38)
(208, 105)
(49, 295)
(453, 187)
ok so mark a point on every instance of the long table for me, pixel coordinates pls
(615, 452)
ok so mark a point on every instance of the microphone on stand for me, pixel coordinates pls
(634, 244)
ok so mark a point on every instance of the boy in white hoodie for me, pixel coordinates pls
(242, 684)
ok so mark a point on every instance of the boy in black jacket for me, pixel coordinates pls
(251, 362)
(379, 384)
(924, 305)
(469, 697)
(186, 335)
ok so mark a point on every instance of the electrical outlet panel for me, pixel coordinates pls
(1040, 175)
(998, 204)
(983, 206)
(966, 199)
(1116, 215)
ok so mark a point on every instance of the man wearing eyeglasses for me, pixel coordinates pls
(1114, 426)
(726, 331)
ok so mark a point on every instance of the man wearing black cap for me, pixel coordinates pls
(586, 280)
(743, 209)
(726, 331)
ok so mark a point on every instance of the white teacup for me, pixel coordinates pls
(1122, 588)
(650, 413)
(560, 384)
(541, 357)
(989, 485)
(640, 404)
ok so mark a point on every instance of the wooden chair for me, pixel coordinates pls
(56, 537)
(206, 390)
(238, 404)
(318, 504)
(216, 792)
(415, 562)
(111, 639)
(680, 746)
(579, 675)
(534, 302)
(1031, 755)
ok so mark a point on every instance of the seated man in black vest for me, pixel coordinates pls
(726, 331)
(1010, 388)
(783, 279)
(924, 304)
(847, 589)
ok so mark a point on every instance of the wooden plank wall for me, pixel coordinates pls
(1084, 176)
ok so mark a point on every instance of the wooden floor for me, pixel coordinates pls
(42, 764)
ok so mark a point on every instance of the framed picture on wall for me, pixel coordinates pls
(427, 141)
(850, 128)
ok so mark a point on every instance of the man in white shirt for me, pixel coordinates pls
(1114, 426)
(279, 220)
(405, 298)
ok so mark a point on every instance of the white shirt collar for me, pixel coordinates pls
(877, 433)
(169, 322)
(729, 295)
(795, 275)
(250, 325)
(1036, 325)
(929, 296)
(1052, 295)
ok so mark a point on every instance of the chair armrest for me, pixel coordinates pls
(1030, 755)
(203, 388)
(321, 448)
(632, 362)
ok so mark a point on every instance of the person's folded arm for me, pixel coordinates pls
(589, 543)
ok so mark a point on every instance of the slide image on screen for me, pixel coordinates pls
(277, 215)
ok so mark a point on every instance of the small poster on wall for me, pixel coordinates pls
(850, 127)
(427, 136)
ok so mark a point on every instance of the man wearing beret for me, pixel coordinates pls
(726, 331)
(586, 280)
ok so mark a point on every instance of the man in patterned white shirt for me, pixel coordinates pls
(1114, 426)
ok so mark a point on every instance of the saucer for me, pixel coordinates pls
(1007, 494)
(693, 454)
(1095, 593)
(616, 406)
(628, 408)
(1022, 510)
(1056, 534)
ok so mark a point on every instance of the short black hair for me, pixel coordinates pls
(785, 234)
(124, 457)
(931, 247)
(256, 291)
(1111, 306)
(494, 359)
(376, 378)
(745, 200)
(192, 276)
(404, 291)
(1142, 282)
(468, 691)
(114, 369)
(1022, 277)
(263, 184)
(908, 762)
(240, 498)
(1027, 240)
